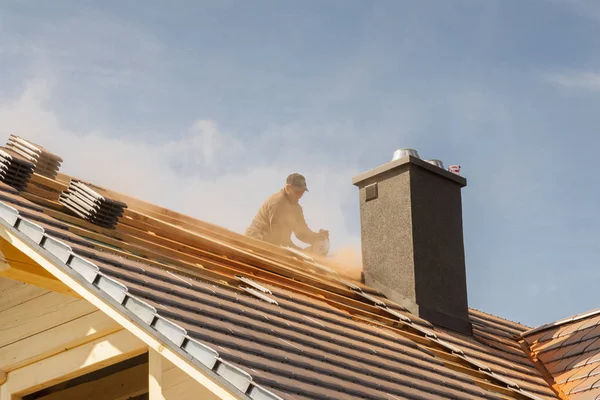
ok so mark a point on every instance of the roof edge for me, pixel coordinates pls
(561, 322)
(395, 166)
(134, 314)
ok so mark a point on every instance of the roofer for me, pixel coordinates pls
(281, 214)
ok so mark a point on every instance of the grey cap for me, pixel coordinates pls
(297, 180)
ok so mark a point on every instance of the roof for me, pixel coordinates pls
(267, 321)
(569, 350)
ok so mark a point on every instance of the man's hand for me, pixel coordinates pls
(324, 233)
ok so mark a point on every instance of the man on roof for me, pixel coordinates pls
(281, 214)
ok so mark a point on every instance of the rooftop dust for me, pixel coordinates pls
(347, 261)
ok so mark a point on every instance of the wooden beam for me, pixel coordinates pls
(75, 362)
(7, 284)
(167, 382)
(5, 394)
(39, 314)
(121, 385)
(41, 201)
(17, 266)
(168, 249)
(41, 191)
(172, 244)
(51, 183)
(220, 272)
(13, 293)
(33, 278)
(215, 386)
(546, 375)
(142, 211)
(207, 246)
(63, 178)
(155, 367)
(56, 339)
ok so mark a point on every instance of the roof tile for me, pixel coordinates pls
(591, 332)
(593, 394)
(585, 385)
(575, 374)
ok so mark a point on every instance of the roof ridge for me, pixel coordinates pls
(499, 317)
(561, 322)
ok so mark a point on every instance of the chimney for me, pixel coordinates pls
(412, 238)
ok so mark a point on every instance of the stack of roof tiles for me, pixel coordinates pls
(15, 170)
(45, 163)
(90, 205)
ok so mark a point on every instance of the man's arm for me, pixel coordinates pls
(302, 231)
(273, 215)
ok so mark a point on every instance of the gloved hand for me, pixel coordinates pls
(324, 233)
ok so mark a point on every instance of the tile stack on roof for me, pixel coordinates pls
(90, 205)
(15, 170)
(570, 352)
(45, 162)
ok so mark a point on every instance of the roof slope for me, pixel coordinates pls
(295, 327)
(570, 351)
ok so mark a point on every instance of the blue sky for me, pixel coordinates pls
(206, 106)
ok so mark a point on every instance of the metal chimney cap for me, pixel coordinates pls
(437, 163)
(400, 153)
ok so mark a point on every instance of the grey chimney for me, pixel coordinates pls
(412, 239)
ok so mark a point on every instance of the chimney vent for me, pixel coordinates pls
(412, 238)
(437, 163)
(401, 153)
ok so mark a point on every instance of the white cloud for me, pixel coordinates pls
(205, 172)
(145, 170)
(205, 146)
(586, 80)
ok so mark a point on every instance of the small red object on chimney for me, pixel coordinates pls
(454, 169)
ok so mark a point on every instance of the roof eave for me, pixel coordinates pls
(111, 297)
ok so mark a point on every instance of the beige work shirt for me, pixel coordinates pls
(277, 218)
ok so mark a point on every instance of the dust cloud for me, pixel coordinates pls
(346, 261)
(166, 172)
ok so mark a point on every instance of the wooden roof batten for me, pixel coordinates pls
(176, 243)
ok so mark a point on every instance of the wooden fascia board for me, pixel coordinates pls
(17, 266)
(209, 379)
